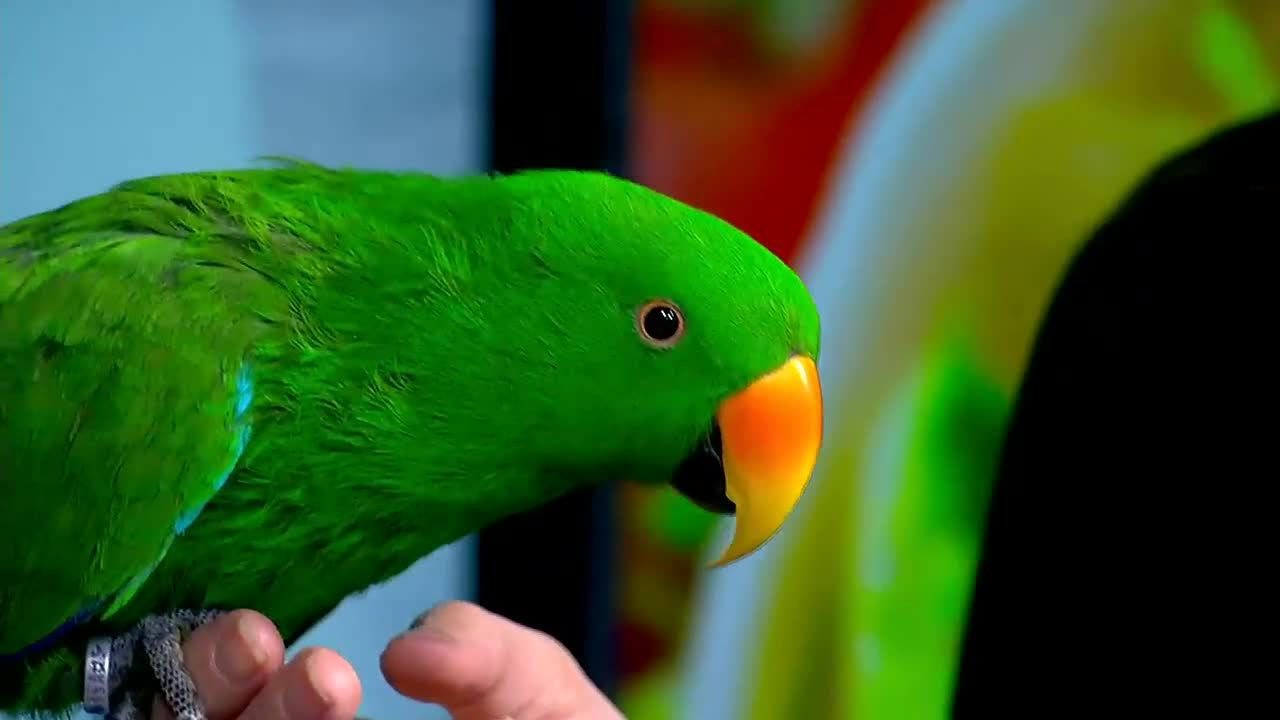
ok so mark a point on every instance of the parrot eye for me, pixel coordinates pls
(660, 323)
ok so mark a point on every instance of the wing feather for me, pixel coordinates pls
(125, 403)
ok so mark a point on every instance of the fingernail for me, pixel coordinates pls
(306, 700)
(426, 632)
(426, 628)
(242, 655)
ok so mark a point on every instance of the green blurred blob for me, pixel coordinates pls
(678, 523)
(1228, 52)
(914, 590)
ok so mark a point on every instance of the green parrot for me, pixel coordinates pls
(272, 388)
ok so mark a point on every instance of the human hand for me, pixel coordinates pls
(237, 664)
(479, 666)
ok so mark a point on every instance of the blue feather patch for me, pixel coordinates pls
(244, 392)
(52, 638)
(243, 398)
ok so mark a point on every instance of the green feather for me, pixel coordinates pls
(426, 356)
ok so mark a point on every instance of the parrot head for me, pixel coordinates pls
(669, 347)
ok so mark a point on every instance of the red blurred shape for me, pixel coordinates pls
(750, 136)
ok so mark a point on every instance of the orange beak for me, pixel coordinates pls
(771, 433)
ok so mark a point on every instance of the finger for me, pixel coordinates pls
(230, 660)
(481, 666)
(318, 684)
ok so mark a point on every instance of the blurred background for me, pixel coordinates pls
(927, 165)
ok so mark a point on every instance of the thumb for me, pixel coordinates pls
(480, 666)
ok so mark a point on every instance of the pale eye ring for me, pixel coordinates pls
(660, 323)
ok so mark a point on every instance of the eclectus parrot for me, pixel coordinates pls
(273, 388)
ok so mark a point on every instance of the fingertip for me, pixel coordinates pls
(317, 684)
(430, 667)
(429, 643)
(230, 659)
(478, 664)
(254, 648)
(331, 688)
(411, 660)
(260, 625)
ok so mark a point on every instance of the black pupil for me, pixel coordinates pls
(661, 323)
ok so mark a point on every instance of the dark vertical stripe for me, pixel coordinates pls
(558, 98)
